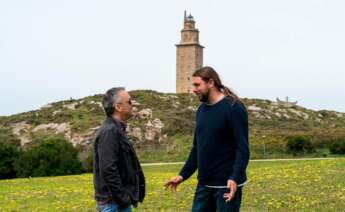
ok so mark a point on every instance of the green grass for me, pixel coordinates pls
(316, 185)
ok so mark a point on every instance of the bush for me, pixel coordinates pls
(299, 144)
(53, 156)
(338, 147)
(7, 137)
(8, 154)
(85, 155)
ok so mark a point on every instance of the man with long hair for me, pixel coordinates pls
(220, 149)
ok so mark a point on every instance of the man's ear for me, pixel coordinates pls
(210, 83)
(116, 107)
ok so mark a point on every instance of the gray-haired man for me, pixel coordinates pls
(118, 178)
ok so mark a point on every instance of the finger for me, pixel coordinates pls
(170, 182)
(167, 184)
(227, 197)
(232, 193)
(167, 187)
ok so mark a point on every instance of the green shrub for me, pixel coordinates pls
(338, 147)
(299, 144)
(8, 154)
(53, 156)
(7, 137)
(85, 155)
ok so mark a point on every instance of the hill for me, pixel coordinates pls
(163, 125)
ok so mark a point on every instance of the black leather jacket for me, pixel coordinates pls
(117, 172)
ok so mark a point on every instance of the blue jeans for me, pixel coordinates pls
(112, 207)
(211, 199)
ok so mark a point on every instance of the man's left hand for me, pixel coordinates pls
(232, 186)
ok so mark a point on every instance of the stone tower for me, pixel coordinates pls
(189, 55)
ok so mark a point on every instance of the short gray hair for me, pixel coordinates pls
(111, 97)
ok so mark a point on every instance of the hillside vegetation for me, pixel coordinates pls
(163, 126)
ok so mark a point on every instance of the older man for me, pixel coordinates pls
(118, 178)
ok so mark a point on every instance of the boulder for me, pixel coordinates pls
(71, 106)
(145, 113)
(254, 108)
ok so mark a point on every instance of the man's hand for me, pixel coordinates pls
(173, 183)
(232, 186)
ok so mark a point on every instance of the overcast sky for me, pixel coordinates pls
(53, 50)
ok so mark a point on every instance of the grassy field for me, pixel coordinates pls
(317, 185)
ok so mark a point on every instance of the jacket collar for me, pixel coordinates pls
(120, 126)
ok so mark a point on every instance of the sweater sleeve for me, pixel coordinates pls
(239, 122)
(192, 162)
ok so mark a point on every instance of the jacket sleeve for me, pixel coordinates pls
(239, 122)
(191, 164)
(108, 151)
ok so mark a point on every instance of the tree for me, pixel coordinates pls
(54, 156)
(8, 154)
(299, 144)
(338, 147)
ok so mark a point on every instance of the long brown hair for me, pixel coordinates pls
(206, 73)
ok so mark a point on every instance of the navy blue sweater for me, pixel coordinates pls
(220, 148)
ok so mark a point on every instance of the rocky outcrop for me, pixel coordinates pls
(22, 130)
(137, 133)
(149, 131)
(70, 106)
(254, 108)
(305, 116)
(83, 139)
(192, 108)
(154, 130)
(145, 113)
(57, 128)
(97, 103)
(176, 104)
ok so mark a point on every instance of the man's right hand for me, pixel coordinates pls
(173, 183)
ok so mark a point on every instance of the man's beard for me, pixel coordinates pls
(203, 97)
